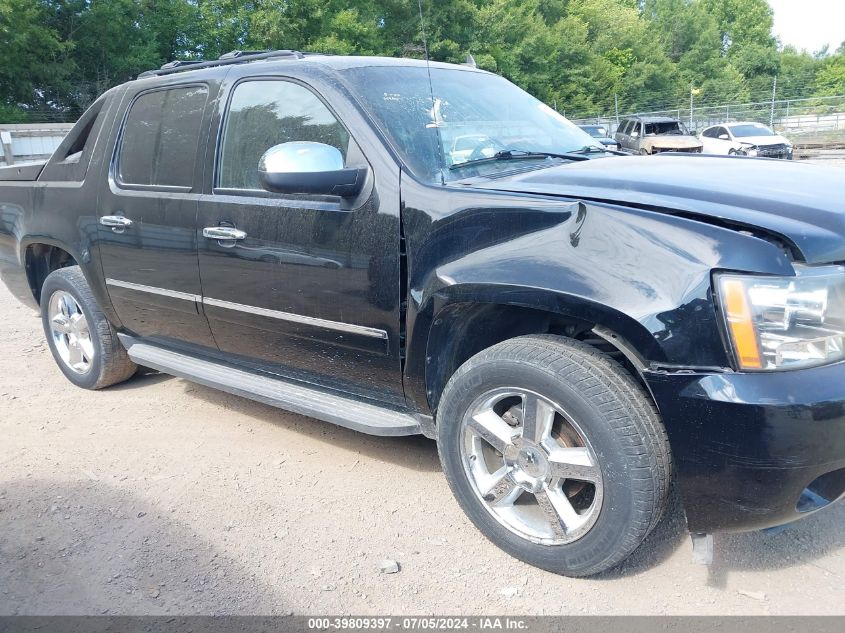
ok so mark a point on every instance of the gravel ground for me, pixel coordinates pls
(163, 497)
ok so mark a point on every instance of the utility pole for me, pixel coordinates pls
(691, 94)
(616, 106)
(774, 95)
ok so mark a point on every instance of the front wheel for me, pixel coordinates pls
(555, 453)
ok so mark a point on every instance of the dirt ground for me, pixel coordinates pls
(163, 497)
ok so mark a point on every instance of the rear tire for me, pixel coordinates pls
(605, 446)
(83, 342)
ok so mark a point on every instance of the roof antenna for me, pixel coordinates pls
(435, 107)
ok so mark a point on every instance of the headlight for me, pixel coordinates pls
(785, 322)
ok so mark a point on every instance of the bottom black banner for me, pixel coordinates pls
(527, 624)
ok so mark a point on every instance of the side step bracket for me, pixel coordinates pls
(277, 392)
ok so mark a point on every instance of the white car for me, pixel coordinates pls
(745, 139)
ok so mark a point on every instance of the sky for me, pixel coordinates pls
(810, 24)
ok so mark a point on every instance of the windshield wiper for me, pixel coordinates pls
(590, 149)
(595, 149)
(518, 154)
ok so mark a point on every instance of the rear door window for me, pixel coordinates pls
(160, 138)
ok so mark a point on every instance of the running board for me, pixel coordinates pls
(277, 392)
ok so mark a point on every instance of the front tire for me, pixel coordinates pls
(555, 453)
(83, 342)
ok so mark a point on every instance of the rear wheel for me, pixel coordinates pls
(84, 344)
(555, 453)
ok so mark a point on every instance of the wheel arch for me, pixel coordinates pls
(464, 326)
(42, 257)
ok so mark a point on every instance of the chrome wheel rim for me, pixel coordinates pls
(531, 466)
(70, 332)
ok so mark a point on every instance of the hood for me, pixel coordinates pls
(802, 203)
(672, 142)
(762, 141)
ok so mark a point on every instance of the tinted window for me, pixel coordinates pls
(160, 137)
(596, 131)
(623, 127)
(710, 133)
(266, 113)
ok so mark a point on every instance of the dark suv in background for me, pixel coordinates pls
(600, 133)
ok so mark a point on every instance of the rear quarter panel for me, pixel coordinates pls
(60, 213)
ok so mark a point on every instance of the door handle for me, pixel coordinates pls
(223, 233)
(116, 222)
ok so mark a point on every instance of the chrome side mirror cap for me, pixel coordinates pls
(304, 167)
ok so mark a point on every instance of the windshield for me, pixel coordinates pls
(751, 129)
(665, 127)
(474, 115)
(595, 131)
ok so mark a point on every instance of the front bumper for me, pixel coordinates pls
(681, 150)
(754, 450)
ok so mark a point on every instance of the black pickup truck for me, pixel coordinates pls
(401, 248)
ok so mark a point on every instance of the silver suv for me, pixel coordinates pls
(652, 135)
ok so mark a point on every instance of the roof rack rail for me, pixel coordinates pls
(237, 53)
(232, 57)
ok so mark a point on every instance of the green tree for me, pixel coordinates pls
(35, 66)
(830, 80)
(577, 55)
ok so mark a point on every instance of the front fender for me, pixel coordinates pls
(645, 275)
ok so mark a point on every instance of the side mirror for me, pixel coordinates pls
(724, 137)
(635, 134)
(307, 167)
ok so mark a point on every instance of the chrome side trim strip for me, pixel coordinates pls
(298, 318)
(153, 290)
